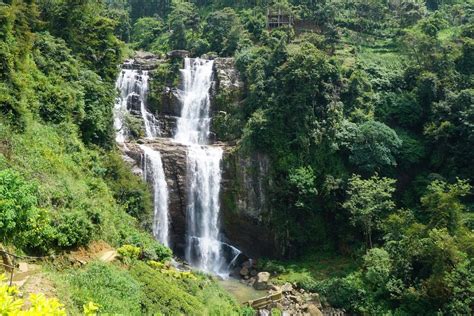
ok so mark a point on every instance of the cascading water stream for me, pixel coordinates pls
(132, 84)
(153, 171)
(133, 87)
(204, 248)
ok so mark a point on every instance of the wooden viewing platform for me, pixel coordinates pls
(277, 18)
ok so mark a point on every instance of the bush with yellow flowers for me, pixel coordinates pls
(12, 305)
(168, 270)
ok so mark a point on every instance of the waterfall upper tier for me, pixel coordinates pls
(194, 122)
(132, 85)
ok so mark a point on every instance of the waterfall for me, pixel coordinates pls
(153, 172)
(204, 178)
(193, 125)
(204, 248)
(133, 87)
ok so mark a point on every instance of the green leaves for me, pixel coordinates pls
(223, 31)
(374, 147)
(302, 181)
(442, 201)
(369, 202)
(17, 203)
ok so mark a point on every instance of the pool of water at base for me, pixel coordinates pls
(241, 292)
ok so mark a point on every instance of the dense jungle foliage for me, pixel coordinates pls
(365, 108)
(62, 182)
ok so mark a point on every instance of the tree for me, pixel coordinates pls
(378, 268)
(223, 31)
(442, 201)
(302, 184)
(145, 31)
(451, 131)
(368, 202)
(374, 147)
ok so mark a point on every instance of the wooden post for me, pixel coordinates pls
(279, 17)
(7, 262)
(11, 272)
(5, 257)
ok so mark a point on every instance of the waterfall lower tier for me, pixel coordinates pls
(153, 172)
(204, 248)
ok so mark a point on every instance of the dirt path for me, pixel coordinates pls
(108, 256)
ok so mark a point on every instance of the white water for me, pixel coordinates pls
(204, 248)
(132, 83)
(153, 170)
(193, 125)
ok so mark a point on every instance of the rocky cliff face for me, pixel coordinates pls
(245, 176)
(244, 203)
(173, 156)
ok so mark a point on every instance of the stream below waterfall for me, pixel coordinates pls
(205, 248)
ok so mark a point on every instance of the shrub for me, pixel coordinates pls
(163, 293)
(17, 203)
(38, 304)
(129, 252)
(106, 285)
(73, 229)
(151, 249)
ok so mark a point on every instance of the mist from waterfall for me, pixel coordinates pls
(153, 172)
(204, 248)
(132, 84)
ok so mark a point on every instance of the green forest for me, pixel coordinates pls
(365, 109)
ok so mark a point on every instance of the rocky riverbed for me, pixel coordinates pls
(292, 301)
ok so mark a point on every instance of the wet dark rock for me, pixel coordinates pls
(170, 103)
(179, 53)
(144, 61)
(173, 156)
(134, 103)
(244, 272)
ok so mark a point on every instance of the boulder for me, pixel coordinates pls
(313, 310)
(262, 280)
(274, 289)
(244, 271)
(286, 288)
(247, 264)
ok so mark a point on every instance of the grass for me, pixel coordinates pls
(313, 267)
(139, 289)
